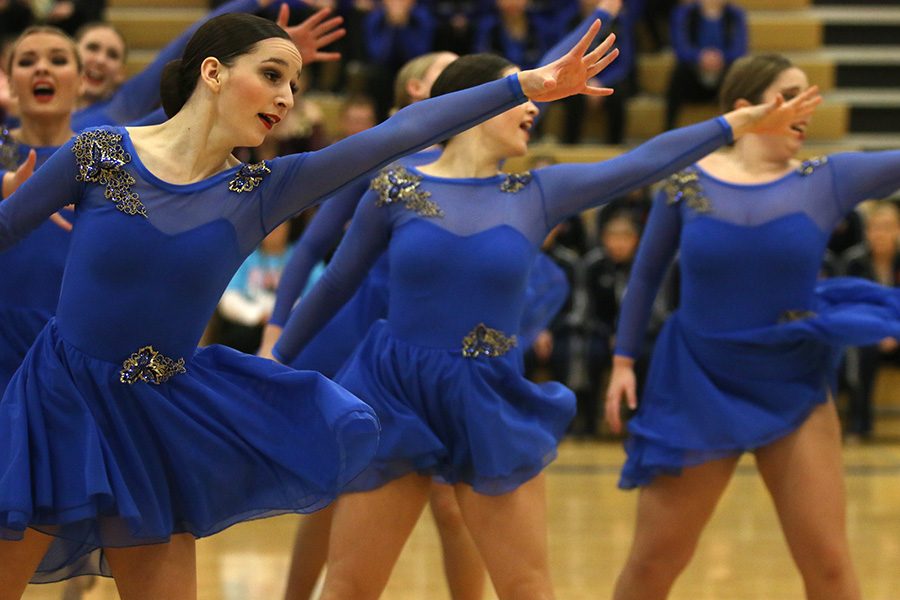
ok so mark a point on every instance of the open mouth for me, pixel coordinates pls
(43, 91)
(268, 120)
(800, 128)
(94, 77)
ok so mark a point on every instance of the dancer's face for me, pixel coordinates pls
(257, 90)
(509, 132)
(789, 83)
(103, 54)
(44, 75)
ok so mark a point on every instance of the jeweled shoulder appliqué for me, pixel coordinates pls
(102, 159)
(515, 182)
(10, 151)
(248, 177)
(808, 166)
(396, 184)
(684, 186)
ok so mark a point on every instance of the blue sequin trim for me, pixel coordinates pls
(150, 366)
(484, 341)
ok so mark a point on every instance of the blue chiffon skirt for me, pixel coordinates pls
(476, 421)
(98, 463)
(18, 329)
(710, 395)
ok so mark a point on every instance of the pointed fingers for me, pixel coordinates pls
(317, 17)
(601, 49)
(602, 63)
(323, 28)
(324, 40)
(327, 56)
(585, 42)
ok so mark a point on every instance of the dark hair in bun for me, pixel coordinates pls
(225, 38)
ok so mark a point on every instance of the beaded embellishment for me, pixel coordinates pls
(150, 366)
(810, 165)
(248, 177)
(484, 341)
(685, 186)
(515, 182)
(101, 159)
(795, 315)
(399, 185)
(9, 151)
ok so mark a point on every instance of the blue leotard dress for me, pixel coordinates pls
(444, 370)
(116, 429)
(753, 347)
(329, 350)
(30, 273)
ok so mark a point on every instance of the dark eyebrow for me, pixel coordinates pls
(793, 88)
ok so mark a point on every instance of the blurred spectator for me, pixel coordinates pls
(15, 16)
(68, 15)
(620, 75)
(848, 233)
(707, 36)
(356, 114)
(396, 32)
(512, 31)
(247, 303)
(876, 259)
(455, 24)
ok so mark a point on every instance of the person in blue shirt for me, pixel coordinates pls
(443, 371)
(512, 31)
(707, 36)
(748, 361)
(116, 427)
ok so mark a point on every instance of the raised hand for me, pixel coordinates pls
(570, 74)
(778, 117)
(314, 33)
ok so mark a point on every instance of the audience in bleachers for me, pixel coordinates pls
(707, 36)
(876, 259)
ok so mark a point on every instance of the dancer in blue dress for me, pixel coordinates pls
(443, 371)
(45, 79)
(748, 361)
(119, 434)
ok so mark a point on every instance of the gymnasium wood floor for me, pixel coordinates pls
(742, 555)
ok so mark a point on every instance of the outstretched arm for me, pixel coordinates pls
(862, 176)
(569, 189)
(320, 236)
(320, 174)
(48, 190)
(367, 238)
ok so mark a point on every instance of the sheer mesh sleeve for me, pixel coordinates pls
(48, 190)
(569, 189)
(658, 245)
(860, 176)
(322, 233)
(366, 240)
(300, 180)
(140, 94)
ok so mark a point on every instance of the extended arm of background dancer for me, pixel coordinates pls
(865, 175)
(13, 179)
(326, 228)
